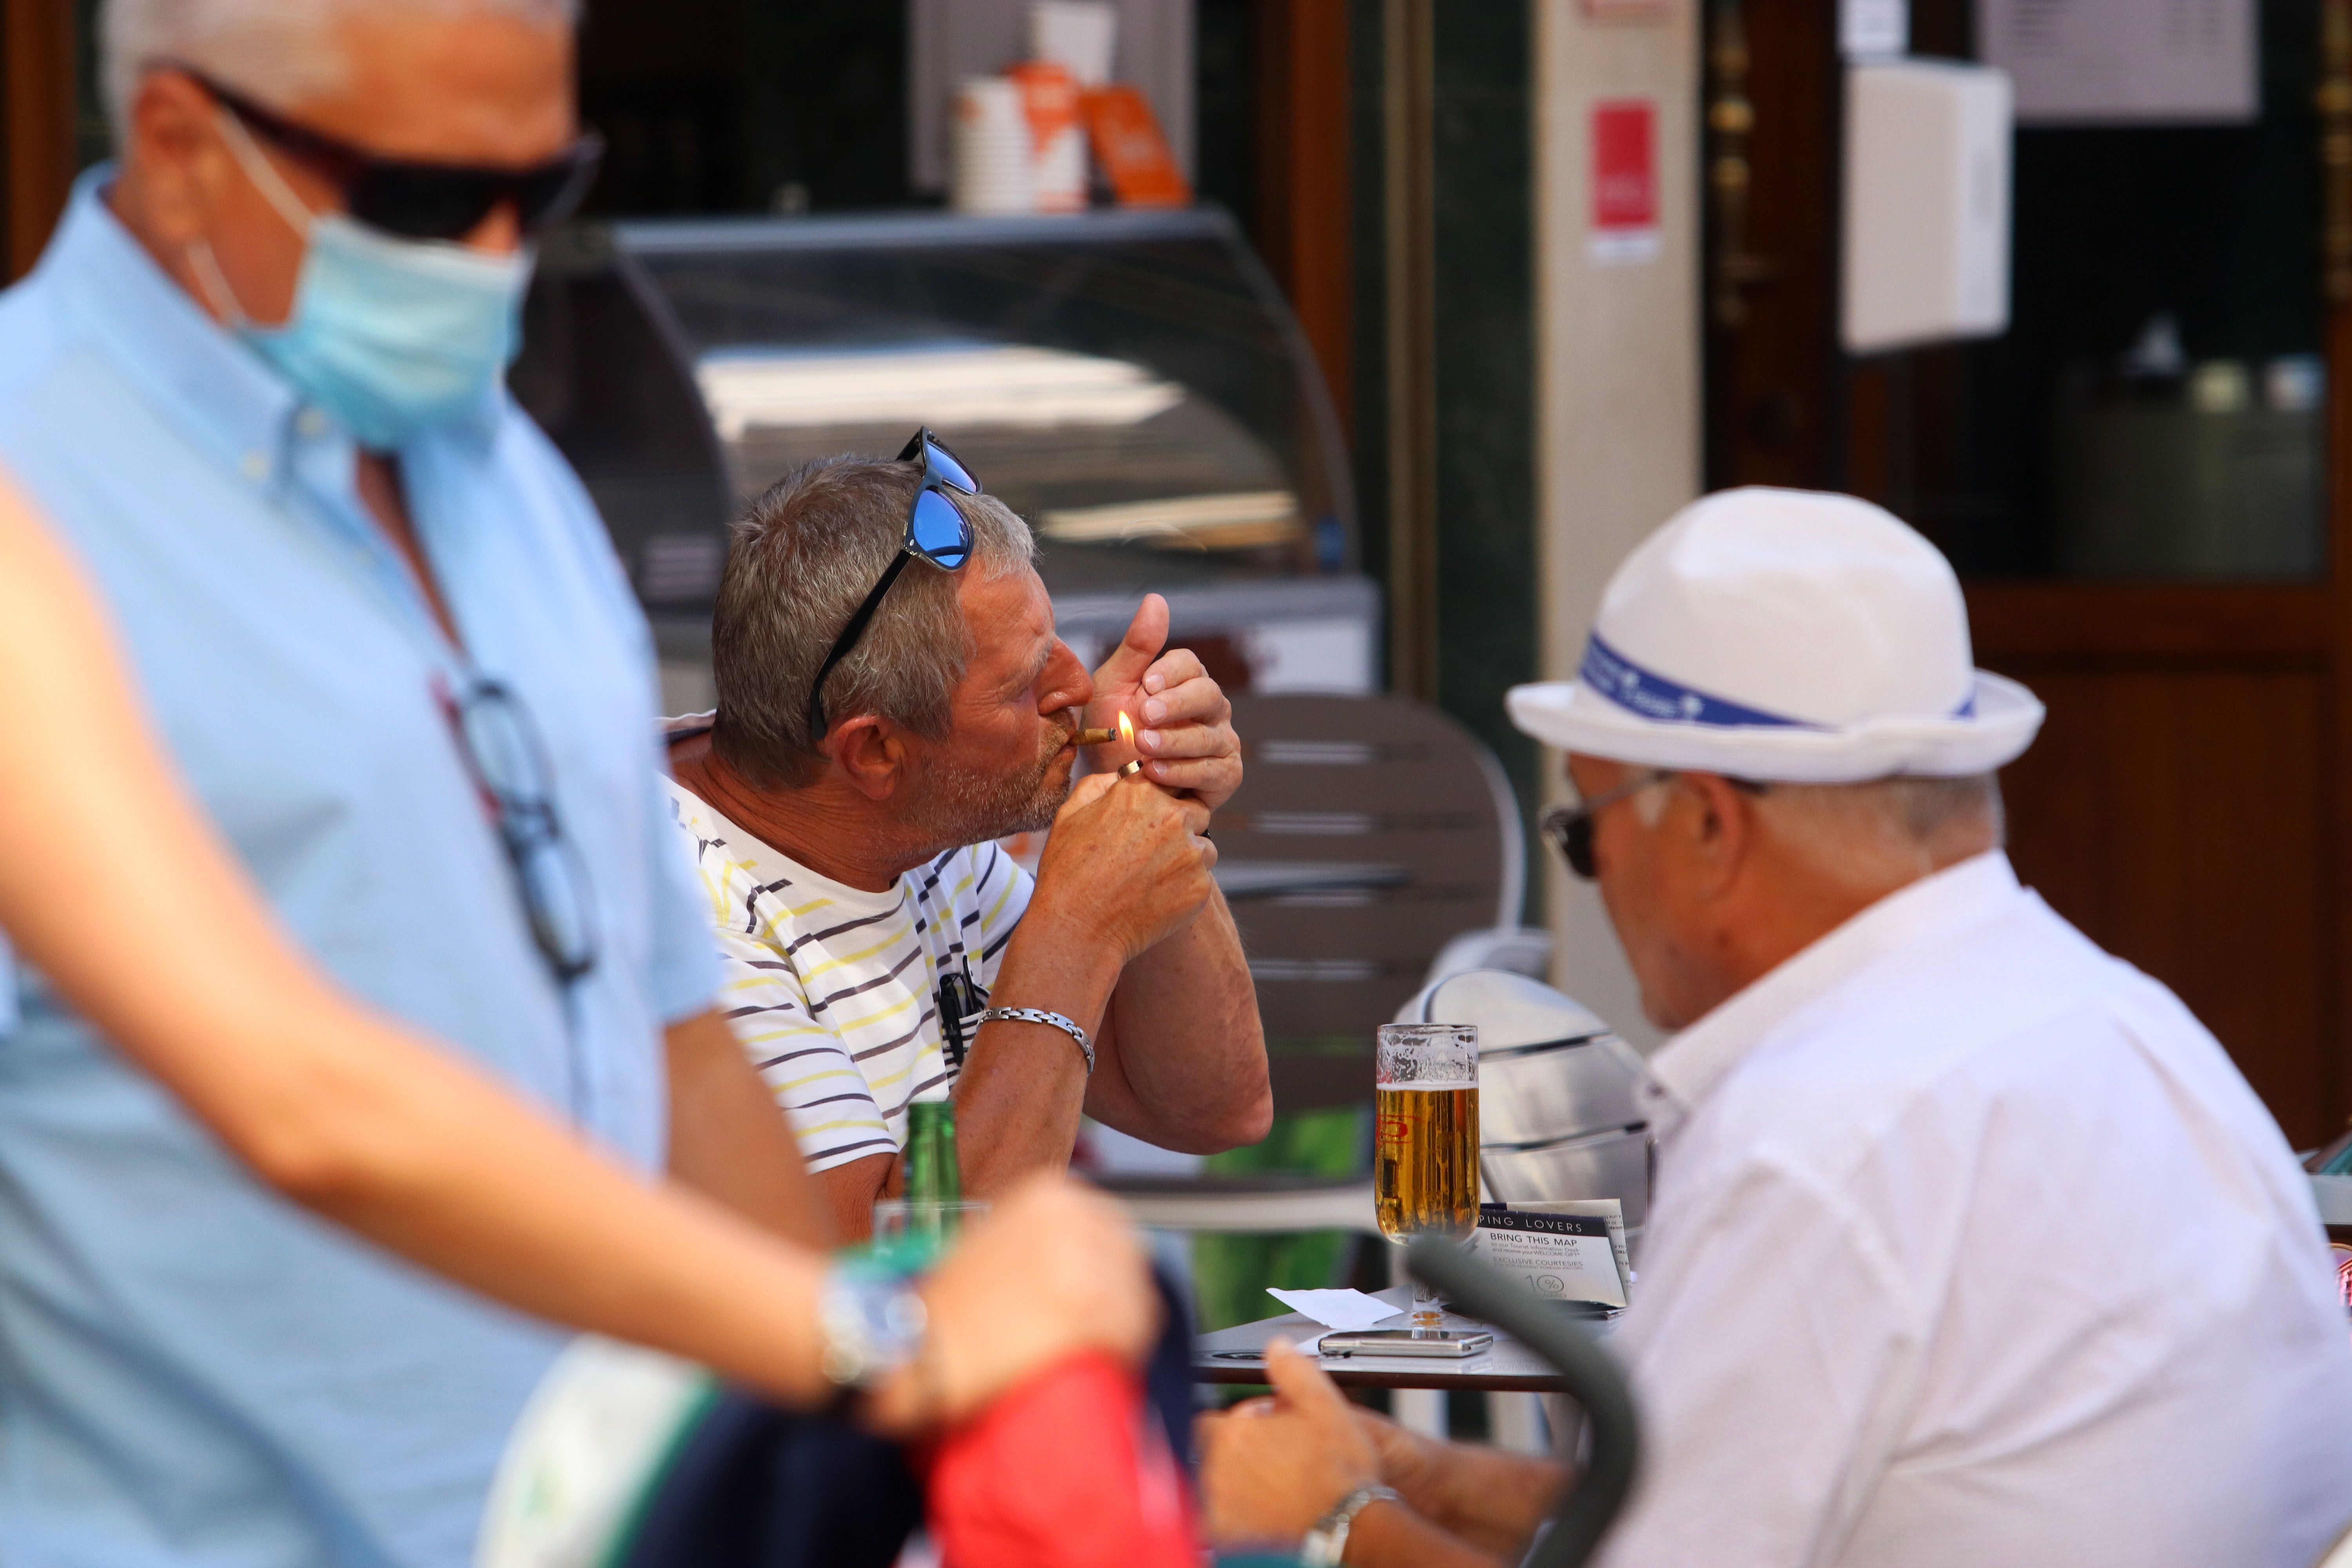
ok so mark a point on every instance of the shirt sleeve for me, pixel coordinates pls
(1000, 891)
(684, 979)
(807, 1068)
(1773, 1353)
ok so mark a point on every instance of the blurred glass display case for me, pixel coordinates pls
(1130, 383)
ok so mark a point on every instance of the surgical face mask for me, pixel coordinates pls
(389, 336)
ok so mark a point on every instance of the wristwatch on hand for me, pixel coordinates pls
(872, 1323)
(1323, 1545)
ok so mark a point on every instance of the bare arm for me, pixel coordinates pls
(358, 1119)
(1122, 870)
(1270, 1468)
(1386, 1536)
(726, 1140)
(1183, 1053)
(1490, 1498)
(1018, 1098)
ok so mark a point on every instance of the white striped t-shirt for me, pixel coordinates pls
(832, 990)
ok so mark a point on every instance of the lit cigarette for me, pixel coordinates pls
(1127, 735)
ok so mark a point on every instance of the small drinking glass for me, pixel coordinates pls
(917, 1232)
(1425, 1145)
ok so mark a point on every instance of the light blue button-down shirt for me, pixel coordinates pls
(191, 1370)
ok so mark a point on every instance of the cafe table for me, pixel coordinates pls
(1237, 1356)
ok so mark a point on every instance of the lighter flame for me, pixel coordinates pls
(1126, 730)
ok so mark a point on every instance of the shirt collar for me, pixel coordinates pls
(774, 870)
(1688, 1066)
(209, 385)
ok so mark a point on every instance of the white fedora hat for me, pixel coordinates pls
(1788, 635)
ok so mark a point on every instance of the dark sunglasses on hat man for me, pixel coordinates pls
(418, 200)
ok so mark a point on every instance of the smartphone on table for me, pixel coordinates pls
(1455, 1342)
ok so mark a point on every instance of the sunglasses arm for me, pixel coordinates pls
(847, 641)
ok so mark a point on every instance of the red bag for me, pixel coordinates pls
(1070, 1470)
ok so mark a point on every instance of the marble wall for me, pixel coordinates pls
(1617, 349)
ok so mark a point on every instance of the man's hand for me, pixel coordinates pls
(1051, 1270)
(1184, 722)
(1124, 864)
(1271, 1467)
(1407, 1459)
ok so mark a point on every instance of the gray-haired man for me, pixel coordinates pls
(881, 720)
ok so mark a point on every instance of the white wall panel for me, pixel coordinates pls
(1617, 378)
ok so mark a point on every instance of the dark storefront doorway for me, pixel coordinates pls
(2135, 482)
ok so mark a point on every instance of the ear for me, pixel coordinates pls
(1725, 836)
(871, 754)
(175, 161)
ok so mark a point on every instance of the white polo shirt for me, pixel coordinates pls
(1971, 1248)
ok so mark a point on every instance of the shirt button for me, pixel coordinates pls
(311, 422)
(256, 466)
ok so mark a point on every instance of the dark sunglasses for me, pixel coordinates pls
(936, 532)
(1570, 827)
(426, 201)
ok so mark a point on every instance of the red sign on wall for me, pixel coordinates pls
(1624, 180)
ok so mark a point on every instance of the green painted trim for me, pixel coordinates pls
(624, 1539)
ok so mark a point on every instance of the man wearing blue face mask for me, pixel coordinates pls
(255, 381)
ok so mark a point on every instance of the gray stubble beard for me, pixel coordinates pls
(956, 808)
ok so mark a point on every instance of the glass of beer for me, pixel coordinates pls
(1425, 1144)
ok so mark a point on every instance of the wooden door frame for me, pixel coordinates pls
(37, 123)
(1304, 208)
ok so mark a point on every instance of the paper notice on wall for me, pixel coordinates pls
(1874, 29)
(1562, 1257)
(2125, 62)
(1624, 215)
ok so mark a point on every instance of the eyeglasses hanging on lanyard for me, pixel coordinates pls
(504, 755)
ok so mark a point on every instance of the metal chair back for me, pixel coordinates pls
(1613, 1451)
(1368, 832)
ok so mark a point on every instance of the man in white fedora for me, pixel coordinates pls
(1969, 1245)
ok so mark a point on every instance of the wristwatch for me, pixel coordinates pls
(1323, 1545)
(871, 1324)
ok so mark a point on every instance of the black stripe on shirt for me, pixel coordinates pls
(896, 970)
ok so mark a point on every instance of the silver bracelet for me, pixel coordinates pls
(1039, 1016)
(1328, 1541)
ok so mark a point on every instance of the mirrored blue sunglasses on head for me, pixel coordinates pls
(936, 531)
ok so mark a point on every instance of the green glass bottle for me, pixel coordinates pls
(934, 1175)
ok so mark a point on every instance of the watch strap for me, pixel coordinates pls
(871, 1323)
(1325, 1544)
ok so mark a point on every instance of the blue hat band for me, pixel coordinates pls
(1653, 696)
(1650, 695)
